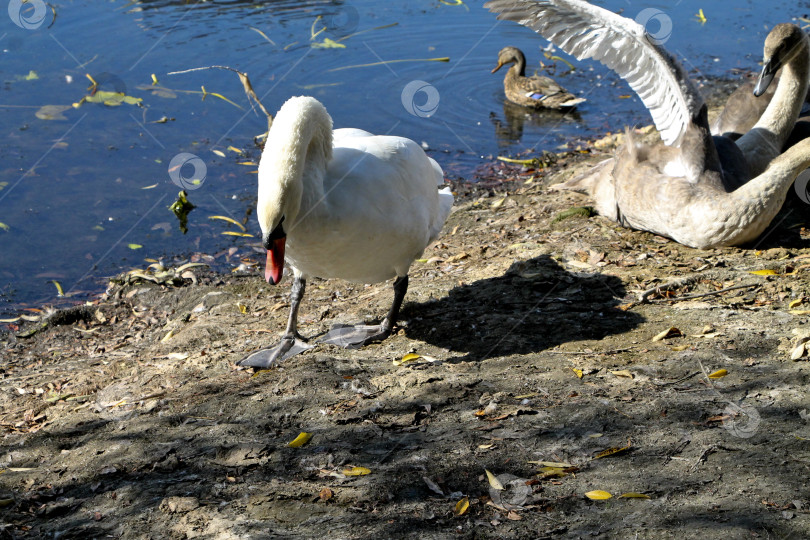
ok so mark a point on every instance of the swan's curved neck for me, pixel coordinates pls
(777, 179)
(294, 161)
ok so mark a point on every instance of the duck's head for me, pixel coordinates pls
(783, 43)
(508, 55)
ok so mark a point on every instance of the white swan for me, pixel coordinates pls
(686, 190)
(342, 204)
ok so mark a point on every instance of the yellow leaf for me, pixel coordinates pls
(235, 149)
(493, 481)
(410, 357)
(59, 291)
(150, 187)
(356, 471)
(237, 233)
(795, 303)
(598, 495)
(668, 333)
(242, 308)
(154, 79)
(612, 451)
(552, 472)
(720, 373)
(220, 153)
(134, 246)
(633, 495)
(6, 502)
(623, 373)
(15, 319)
(229, 220)
(499, 203)
(577, 371)
(800, 312)
(302, 439)
(461, 506)
(766, 272)
(167, 337)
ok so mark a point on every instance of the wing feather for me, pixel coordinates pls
(587, 31)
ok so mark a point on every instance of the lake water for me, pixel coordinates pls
(85, 190)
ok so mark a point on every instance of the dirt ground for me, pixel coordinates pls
(541, 362)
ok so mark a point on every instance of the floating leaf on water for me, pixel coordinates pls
(765, 272)
(134, 246)
(237, 233)
(579, 373)
(633, 495)
(302, 439)
(493, 481)
(701, 17)
(356, 471)
(668, 333)
(248, 163)
(598, 495)
(52, 112)
(4, 226)
(220, 153)
(461, 506)
(59, 291)
(719, 374)
(15, 319)
(235, 149)
(150, 187)
(229, 220)
(111, 99)
(154, 79)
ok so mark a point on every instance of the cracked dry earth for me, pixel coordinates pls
(535, 347)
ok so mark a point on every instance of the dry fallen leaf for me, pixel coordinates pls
(461, 506)
(302, 439)
(766, 272)
(577, 371)
(668, 333)
(623, 373)
(493, 481)
(598, 495)
(612, 451)
(356, 471)
(720, 373)
(325, 494)
(633, 495)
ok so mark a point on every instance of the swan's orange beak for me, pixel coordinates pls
(275, 261)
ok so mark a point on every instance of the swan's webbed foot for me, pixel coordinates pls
(289, 346)
(354, 337)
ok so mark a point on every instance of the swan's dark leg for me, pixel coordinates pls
(354, 337)
(291, 342)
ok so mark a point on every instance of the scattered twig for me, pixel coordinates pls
(681, 282)
(703, 455)
(701, 295)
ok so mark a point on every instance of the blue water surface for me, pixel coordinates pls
(85, 189)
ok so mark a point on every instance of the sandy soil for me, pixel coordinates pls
(129, 418)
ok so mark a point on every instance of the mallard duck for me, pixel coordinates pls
(342, 204)
(537, 91)
(684, 188)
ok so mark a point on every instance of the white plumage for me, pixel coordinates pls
(343, 204)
